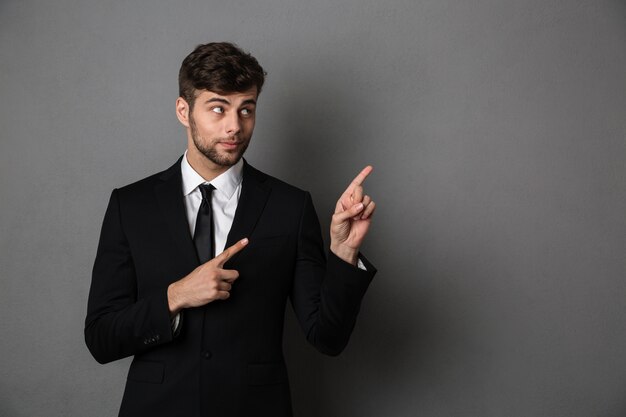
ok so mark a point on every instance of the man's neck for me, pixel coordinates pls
(203, 166)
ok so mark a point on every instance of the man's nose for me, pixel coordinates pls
(233, 124)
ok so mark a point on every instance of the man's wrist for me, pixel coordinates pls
(173, 302)
(349, 255)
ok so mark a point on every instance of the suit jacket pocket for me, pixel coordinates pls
(269, 241)
(259, 249)
(147, 371)
(262, 251)
(267, 373)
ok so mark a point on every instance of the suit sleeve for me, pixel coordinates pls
(326, 294)
(118, 324)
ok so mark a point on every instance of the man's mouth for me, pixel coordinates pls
(229, 145)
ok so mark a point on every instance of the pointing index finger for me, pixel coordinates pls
(228, 253)
(359, 179)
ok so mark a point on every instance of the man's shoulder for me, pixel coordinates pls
(148, 183)
(269, 181)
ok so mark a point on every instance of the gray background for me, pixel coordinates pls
(497, 130)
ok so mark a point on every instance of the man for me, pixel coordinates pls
(206, 330)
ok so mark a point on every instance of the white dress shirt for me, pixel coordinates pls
(223, 201)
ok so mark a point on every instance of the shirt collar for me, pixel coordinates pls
(226, 183)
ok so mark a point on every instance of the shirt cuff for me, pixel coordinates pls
(175, 323)
(360, 264)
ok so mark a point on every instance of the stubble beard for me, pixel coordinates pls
(207, 147)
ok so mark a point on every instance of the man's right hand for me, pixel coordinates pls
(206, 283)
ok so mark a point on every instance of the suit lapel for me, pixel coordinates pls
(170, 196)
(254, 194)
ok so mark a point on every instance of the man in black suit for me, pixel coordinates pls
(206, 330)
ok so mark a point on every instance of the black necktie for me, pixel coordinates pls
(203, 235)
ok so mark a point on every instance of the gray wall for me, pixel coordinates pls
(497, 130)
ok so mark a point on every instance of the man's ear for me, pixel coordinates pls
(182, 111)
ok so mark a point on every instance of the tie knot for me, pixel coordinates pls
(206, 190)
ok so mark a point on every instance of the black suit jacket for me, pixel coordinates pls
(227, 358)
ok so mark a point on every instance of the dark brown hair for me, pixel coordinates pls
(220, 67)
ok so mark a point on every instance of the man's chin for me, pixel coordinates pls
(224, 159)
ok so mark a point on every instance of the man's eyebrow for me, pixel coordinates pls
(218, 100)
(223, 100)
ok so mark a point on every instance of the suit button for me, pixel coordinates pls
(207, 354)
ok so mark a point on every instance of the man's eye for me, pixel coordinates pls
(218, 110)
(246, 112)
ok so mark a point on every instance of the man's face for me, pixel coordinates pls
(221, 125)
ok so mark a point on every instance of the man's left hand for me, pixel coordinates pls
(352, 219)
